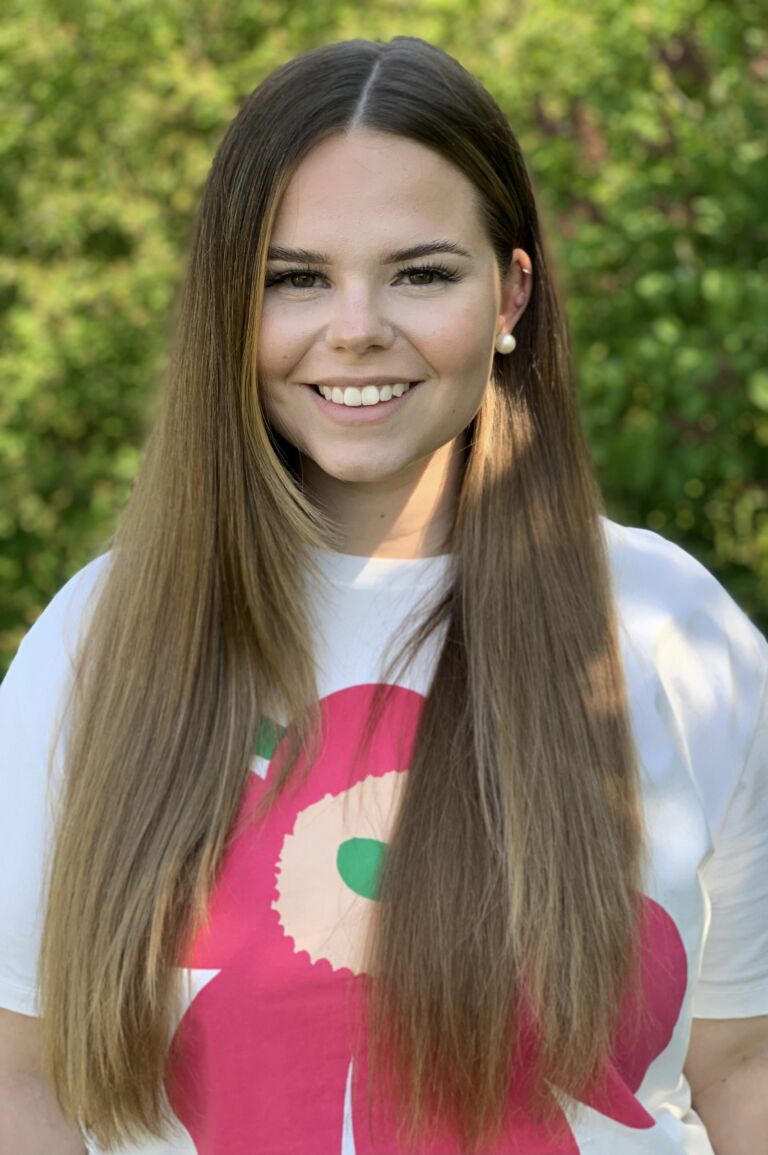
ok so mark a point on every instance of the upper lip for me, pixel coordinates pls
(361, 382)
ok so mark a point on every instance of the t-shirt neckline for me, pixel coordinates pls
(357, 571)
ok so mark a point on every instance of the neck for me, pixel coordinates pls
(409, 514)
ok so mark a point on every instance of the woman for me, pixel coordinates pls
(303, 899)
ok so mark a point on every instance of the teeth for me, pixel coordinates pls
(368, 395)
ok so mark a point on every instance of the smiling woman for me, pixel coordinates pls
(355, 305)
(270, 887)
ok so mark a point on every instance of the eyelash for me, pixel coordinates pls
(445, 273)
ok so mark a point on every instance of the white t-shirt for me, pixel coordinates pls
(263, 1053)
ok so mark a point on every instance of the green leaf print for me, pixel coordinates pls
(268, 737)
(359, 863)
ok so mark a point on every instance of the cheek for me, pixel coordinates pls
(277, 339)
(461, 337)
(283, 337)
(276, 401)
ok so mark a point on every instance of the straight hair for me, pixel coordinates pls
(521, 815)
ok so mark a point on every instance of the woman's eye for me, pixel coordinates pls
(287, 279)
(431, 270)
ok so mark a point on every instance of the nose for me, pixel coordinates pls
(357, 320)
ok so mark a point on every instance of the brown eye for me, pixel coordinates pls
(285, 277)
(306, 276)
(444, 273)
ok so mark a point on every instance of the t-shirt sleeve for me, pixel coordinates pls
(22, 837)
(711, 661)
(33, 699)
(733, 980)
(23, 831)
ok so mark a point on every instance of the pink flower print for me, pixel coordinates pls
(260, 1059)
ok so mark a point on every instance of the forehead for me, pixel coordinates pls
(375, 187)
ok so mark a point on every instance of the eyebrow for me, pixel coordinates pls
(281, 253)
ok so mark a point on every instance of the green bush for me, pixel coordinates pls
(643, 126)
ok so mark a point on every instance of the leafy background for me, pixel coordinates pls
(644, 128)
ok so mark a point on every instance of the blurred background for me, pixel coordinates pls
(644, 128)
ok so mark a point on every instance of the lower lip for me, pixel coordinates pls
(360, 414)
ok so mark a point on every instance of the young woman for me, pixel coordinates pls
(271, 885)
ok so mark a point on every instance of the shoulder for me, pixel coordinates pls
(52, 638)
(644, 562)
(33, 689)
(662, 590)
(689, 638)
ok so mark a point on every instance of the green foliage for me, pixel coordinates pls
(644, 128)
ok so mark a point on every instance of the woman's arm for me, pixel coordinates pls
(30, 1119)
(727, 1069)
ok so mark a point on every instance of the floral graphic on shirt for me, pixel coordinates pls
(260, 1060)
(323, 898)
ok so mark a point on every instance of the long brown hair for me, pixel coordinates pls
(522, 813)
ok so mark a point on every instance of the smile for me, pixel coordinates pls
(368, 406)
(368, 395)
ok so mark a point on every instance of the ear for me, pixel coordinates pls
(515, 291)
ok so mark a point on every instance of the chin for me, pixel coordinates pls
(363, 471)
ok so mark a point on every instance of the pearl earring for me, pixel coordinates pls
(505, 343)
